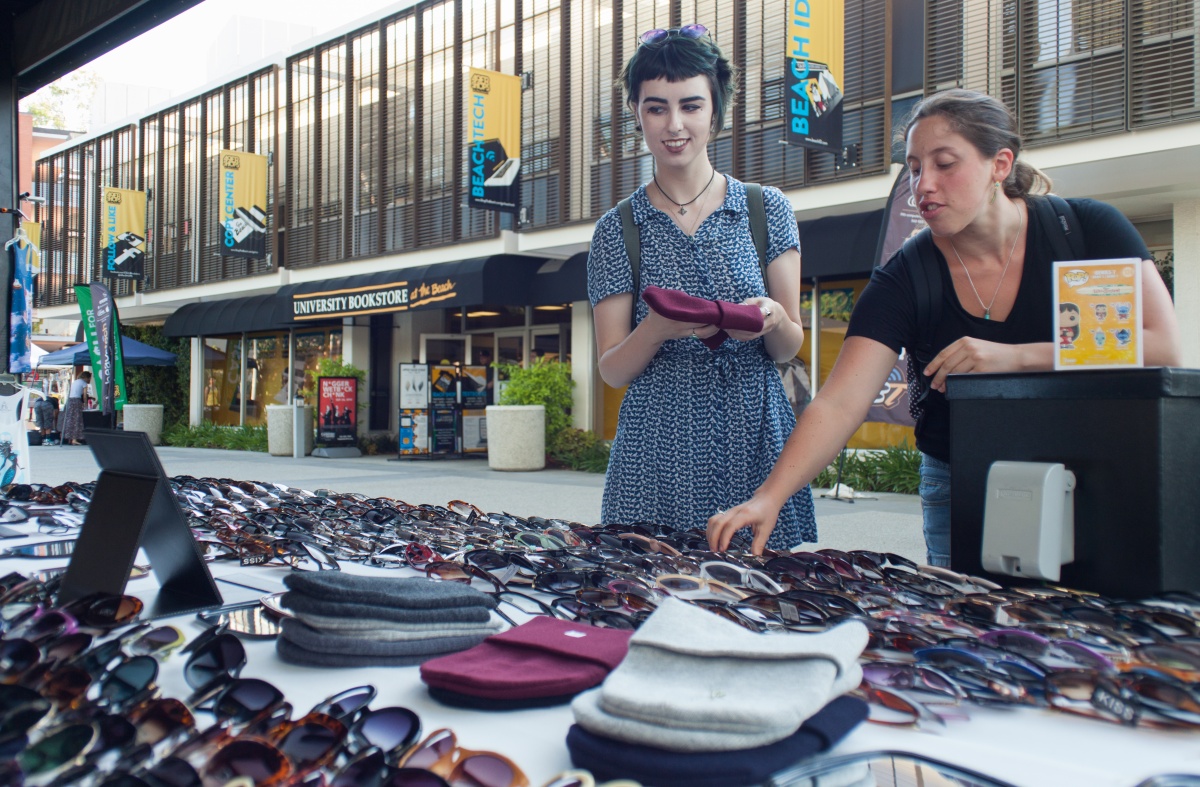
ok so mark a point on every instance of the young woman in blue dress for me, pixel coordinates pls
(699, 428)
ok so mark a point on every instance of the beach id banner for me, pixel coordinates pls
(1098, 317)
(494, 141)
(124, 233)
(815, 55)
(243, 211)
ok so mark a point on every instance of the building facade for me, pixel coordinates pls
(366, 139)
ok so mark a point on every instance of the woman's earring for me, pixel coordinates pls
(995, 191)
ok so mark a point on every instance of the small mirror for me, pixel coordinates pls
(881, 769)
(61, 548)
(250, 620)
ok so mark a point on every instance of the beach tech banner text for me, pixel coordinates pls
(815, 55)
(124, 233)
(243, 205)
(494, 141)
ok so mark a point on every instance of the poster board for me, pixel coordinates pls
(443, 430)
(414, 386)
(413, 436)
(474, 431)
(443, 385)
(1098, 314)
(337, 411)
(473, 384)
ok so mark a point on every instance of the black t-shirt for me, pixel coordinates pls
(886, 310)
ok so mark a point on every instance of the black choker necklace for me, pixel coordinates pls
(683, 205)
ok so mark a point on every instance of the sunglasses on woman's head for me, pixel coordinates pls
(659, 34)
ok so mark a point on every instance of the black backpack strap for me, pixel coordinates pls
(633, 249)
(920, 262)
(1061, 225)
(758, 224)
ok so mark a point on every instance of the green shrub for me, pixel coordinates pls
(543, 382)
(580, 450)
(165, 385)
(375, 444)
(894, 469)
(232, 438)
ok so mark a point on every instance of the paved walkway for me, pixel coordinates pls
(886, 522)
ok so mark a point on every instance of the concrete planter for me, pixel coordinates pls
(280, 429)
(516, 437)
(146, 418)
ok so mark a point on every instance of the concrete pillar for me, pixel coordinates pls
(584, 366)
(356, 351)
(1187, 279)
(196, 386)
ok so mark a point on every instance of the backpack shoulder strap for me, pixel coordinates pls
(1061, 225)
(758, 224)
(633, 249)
(920, 262)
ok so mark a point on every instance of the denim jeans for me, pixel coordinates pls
(935, 509)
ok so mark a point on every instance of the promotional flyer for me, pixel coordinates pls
(1098, 314)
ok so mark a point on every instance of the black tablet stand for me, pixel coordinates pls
(133, 506)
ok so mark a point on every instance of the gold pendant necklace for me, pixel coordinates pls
(987, 308)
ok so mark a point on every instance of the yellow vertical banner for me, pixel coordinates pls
(124, 233)
(815, 64)
(494, 141)
(243, 205)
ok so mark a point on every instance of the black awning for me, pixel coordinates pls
(559, 281)
(840, 246)
(502, 280)
(230, 316)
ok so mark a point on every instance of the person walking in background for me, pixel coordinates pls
(994, 258)
(699, 428)
(72, 431)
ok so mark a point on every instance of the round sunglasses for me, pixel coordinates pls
(660, 34)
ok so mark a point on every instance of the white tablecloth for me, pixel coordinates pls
(1024, 747)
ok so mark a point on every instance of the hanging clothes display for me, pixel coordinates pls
(22, 255)
(14, 439)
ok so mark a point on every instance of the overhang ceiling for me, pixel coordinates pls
(51, 38)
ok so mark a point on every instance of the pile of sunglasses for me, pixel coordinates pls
(55, 510)
(940, 641)
(79, 705)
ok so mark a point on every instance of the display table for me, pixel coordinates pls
(1024, 747)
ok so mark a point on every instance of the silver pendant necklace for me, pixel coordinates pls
(987, 308)
(683, 205)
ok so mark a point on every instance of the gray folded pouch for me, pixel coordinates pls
(693, 681)
(401, 592)
(394, 631)
(379, 629)
(303, 604)
(307, 637)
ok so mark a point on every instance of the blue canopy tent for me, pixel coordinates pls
(134, 353)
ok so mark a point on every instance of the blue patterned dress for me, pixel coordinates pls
(699, 429)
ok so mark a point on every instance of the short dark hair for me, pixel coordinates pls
(988, 125)
(676, 58)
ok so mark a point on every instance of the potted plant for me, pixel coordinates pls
(534, 407)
